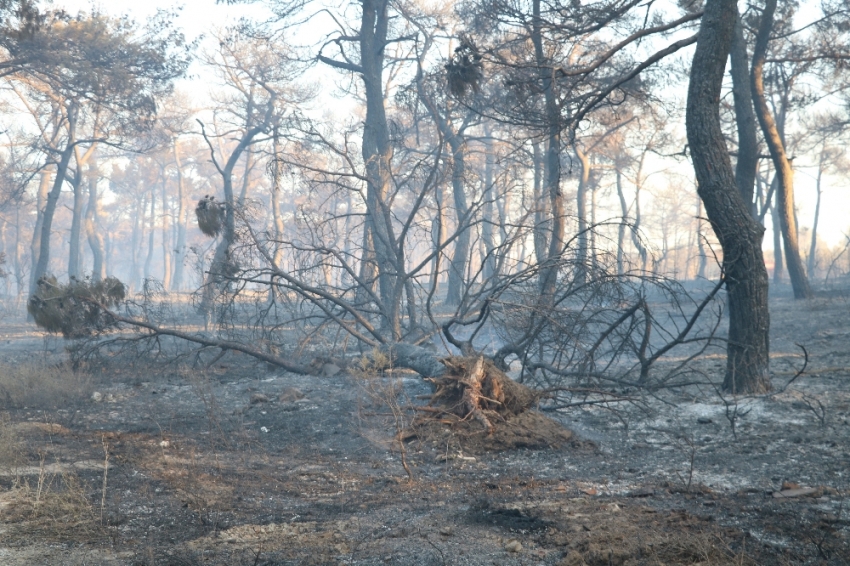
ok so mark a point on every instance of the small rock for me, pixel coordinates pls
(164, 444)
(290, 395)
(263, 429)
(257, 398)
(97, 396)
(573, 558)
(799, 492)
(330, 370)
(513, 546)
(704, 420)
(447, 531)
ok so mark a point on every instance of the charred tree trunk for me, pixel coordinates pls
(50, 210)
(75, 257)
(487, 235)
(621, 229)
(552, 174)
(813, 246)
(165, 230)
(541, 208)
(377, 154)
(785, 188)
(581, 210)
(136, 240)
(74, 241)
(93, 235)
(35, 246)
(182, 210)
(740, 236)
(460, 257)
(151, 236)
(778, 258)
(745, 118)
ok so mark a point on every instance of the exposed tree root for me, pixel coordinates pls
(473, 394)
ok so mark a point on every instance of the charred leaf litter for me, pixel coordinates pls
(241, 465)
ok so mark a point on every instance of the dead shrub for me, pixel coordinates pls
(41, 385)
(210, 216)
(75, 309)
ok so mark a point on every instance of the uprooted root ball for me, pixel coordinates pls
(483, 409)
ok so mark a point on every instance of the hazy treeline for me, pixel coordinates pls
(467, 135)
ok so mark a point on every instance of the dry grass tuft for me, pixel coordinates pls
(41, 385)
(54, 507)
(11, 448)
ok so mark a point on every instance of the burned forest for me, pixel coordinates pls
(400, 282)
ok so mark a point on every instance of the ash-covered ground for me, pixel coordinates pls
(242, 464)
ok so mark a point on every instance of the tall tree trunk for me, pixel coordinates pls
(487, 236)
(541, 208)
(745, 118)
(74, 240)
(222, 263)
(151, 236)
(592, 236)
(778, 258)
(246, 177)
(813, 246)
(35, 246)
(703, 256)
(277, 218)
(377, 154)
(95, 239)
(166, 233)
(438, 236)
(740, 236)
(182, 219)
(75, 256)
(621, 229)
(19, 263)
(50, 209)
(785, 189)
(643, 253)
(460, 258)
(552, 175)
(581, 210)
(136, 240)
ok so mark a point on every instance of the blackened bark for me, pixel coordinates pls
(377, 154)
(621, 229)
(487, 236)
(95, 239)
(785, 188)
(740, 236)
(745, 118)
(460, 257)
(552, 171)
(581, 211)
(75, 267)
(50, 207)
(180, 245)
(541, 207)
(41, 203)
(813, 246)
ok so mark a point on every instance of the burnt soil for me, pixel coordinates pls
(239, 463)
